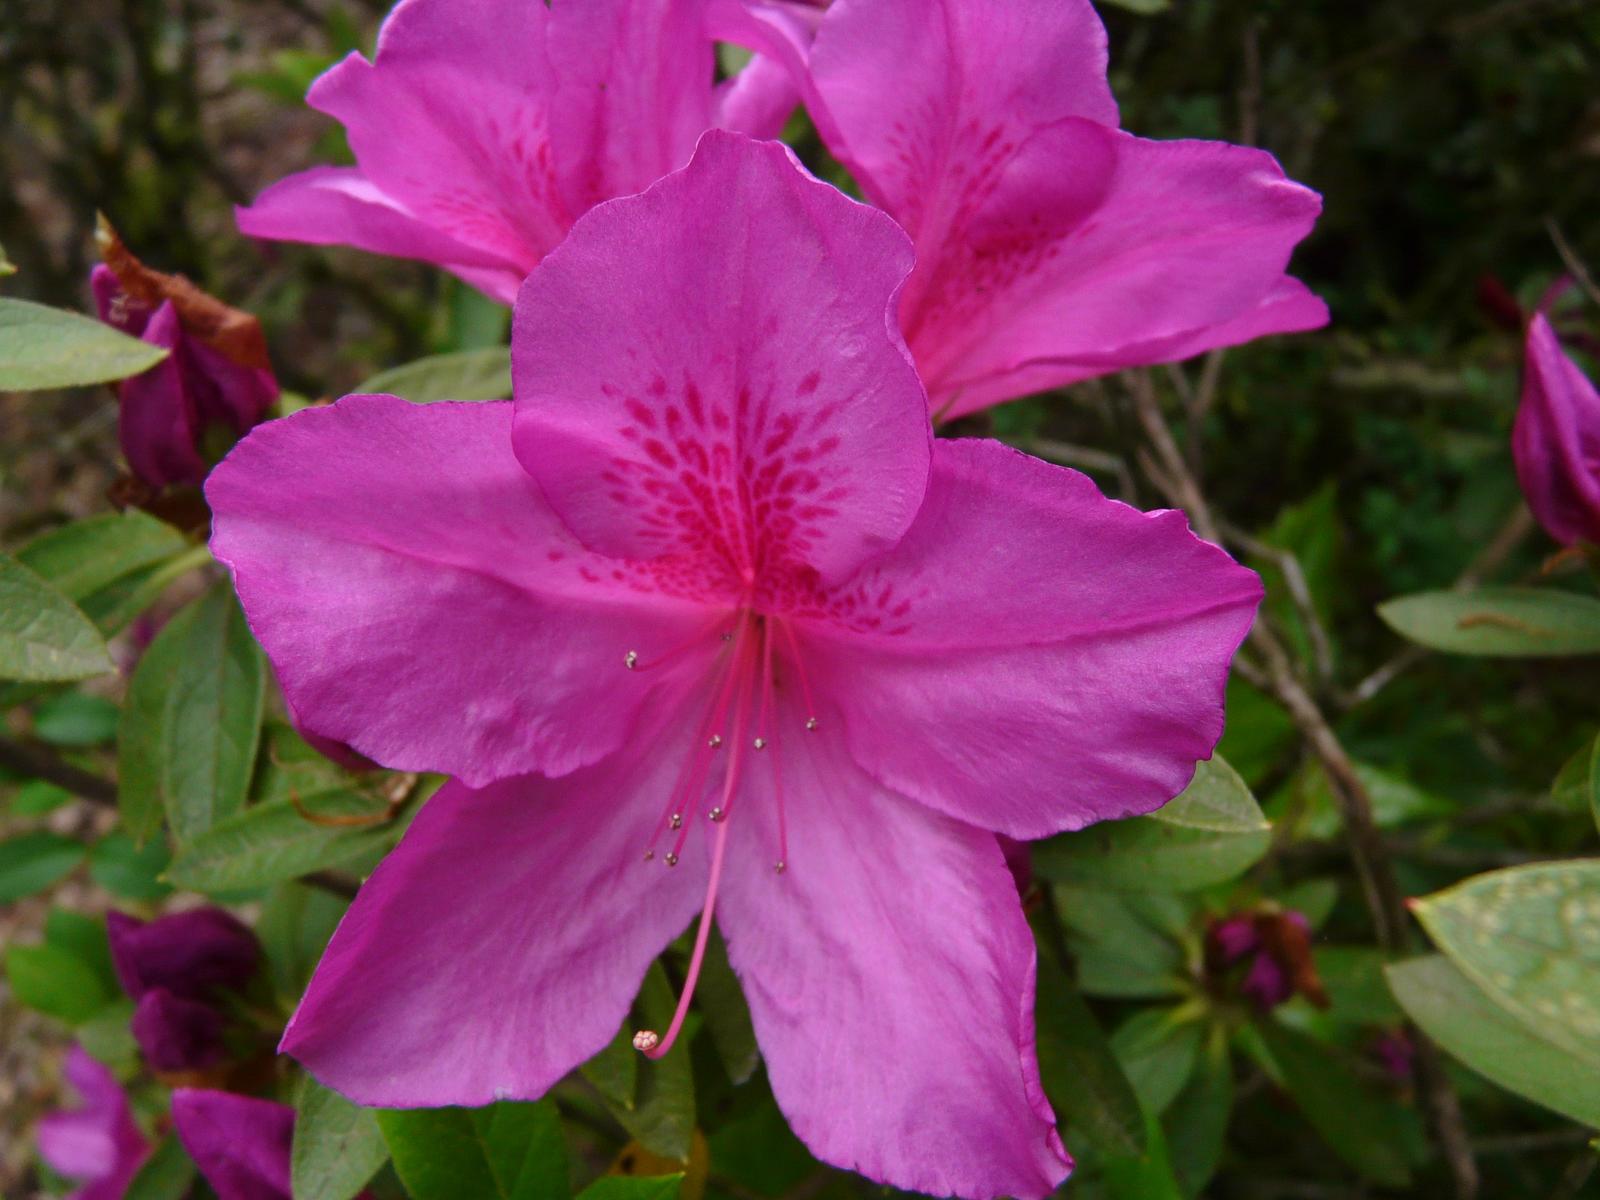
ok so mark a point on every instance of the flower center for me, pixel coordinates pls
(740, 716)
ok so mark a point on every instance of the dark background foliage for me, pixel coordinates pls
(1455, 144)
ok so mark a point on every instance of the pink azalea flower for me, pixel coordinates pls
(1277, 947)
(1051, 245)
(483, 128)
(1556, 440)
(97, 1145)
(240, 1144)
(706, 621)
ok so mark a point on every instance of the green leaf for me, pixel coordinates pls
(1081, 1076)
(727, 1016)
(168, 1174)
(1145, 8)
(1357, 991)
(502, 1152)
(75, 719)
(43, 636)
(85, 556)
(1196, 1124)
(1368, 1131)
(36, 798)
(55, 981)
(476, 322)
(42, 347)
(1210, 833)
(108, 1036)
(1510, 621)
(1121, 951)
(32, 862)
(626, 1187)
(338, 1147)
(1157, 1047)
(7, 267)
(124, 868)
(294, 927)
(192, 720)
(1147, 1176)
(659, 1108)
(1311, 810)
(270, 843)
(1530, 938)
(482, 374)
(1470, 1026)
(85, 939)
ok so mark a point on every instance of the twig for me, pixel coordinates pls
(38, 763)
(1294, 577)
(1367, 852)
(1575, 265)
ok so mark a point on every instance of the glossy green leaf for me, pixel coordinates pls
(1358, 994)
(1471, 1027)
(270, 843)
(126, 869)
(43, 347)
(1081, 1075)
(31, 862)
(295, 924)
(658, 1109)
(1315, 813)
(75, 719)
(85, 556)
(1196, 1123)
(168, 1174)
(337, 1147)
(1121, 950)
(1211, 833)
(482, 374)
(44, 638)
(1157, 1047)
(505, 1151)
(7, 267)
(1509, 621)
(108, 1036)
(1368, 1131)
(1530, 938)
(624, 1187)
(55, 981)
(190, 726)
(1146, 1176)
(85, 939)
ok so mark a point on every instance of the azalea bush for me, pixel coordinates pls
(768, 598)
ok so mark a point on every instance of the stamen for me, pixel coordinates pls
(780, 866)
(676, 820)
(760, 743)
(672, 859)
(714, 741)
(716, 813)
(800, 670)
(647, 1041)
(697, 638)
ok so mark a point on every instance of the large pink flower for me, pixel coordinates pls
(483, 128)
(1051, 245)
(1556, 440)
(707, 620)
(97, 1145)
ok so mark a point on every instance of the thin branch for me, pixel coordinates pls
(1384, 899)
(1575, 265)
(37, 762)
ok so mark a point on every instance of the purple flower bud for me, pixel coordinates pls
(192, 954)
(1556, 440)
(175, 1034)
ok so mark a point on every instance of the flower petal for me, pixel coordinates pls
(175, 1034)
(190, 954)
(711, 370)
(98, 1143)
(915, 106)
(419, 600)
(502, 943)
(1167, 249)
(1556, 440)
(155, 417)
(451, 121)
(339, 206)
(1068, 671)
(889, 973)
(240, 1144)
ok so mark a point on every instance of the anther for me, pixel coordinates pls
(780, 867)
(672, 859)
(727, 637)
(676, 821)
(760, 743)
(631, 659)
(646, 1039)
(716, 813)
(649, 854)
(811, 722)
(715, 740)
